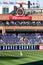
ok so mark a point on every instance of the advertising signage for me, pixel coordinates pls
(7, 2)
(11, 17)
(11, 2)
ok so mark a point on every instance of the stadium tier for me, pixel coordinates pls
(21, 41)
(21, 29)
(21, 33)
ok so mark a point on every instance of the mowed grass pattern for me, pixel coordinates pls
(28, 58)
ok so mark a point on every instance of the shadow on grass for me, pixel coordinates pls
(10, 58)
(34, 63)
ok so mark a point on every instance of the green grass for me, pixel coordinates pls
(28, 58)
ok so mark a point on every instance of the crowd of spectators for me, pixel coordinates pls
(21, 23)
(32, 38)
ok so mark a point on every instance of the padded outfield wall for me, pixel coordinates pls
(22, 47)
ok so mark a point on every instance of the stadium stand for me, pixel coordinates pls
(21, 23)
(33, 38)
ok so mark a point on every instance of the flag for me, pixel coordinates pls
(33, 3)
(37, 3)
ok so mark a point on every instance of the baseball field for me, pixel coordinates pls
(32, 57)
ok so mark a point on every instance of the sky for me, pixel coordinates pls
(40, 1)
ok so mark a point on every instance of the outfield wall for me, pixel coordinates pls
(22, 47)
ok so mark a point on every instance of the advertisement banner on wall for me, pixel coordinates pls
(11, 2)
(5, 2)
(41, 47)
(11, 17)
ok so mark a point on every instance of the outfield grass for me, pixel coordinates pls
(28, 58)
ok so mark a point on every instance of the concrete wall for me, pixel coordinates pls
(3, 28)
(34, 16)
(37, 17)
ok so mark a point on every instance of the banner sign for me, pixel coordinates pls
(25, 3)
(11, 2)
(19, 47)
(22, 3)
(41, 47)
(5, 2)
(11, 17)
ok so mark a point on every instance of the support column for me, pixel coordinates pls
(3, 31)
